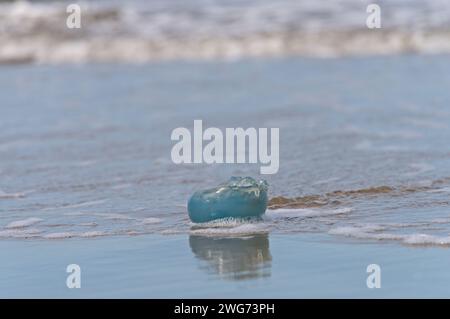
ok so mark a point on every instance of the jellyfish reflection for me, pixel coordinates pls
(234, 258)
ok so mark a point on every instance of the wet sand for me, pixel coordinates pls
(275, 266)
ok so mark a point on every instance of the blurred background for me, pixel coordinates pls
(142, 31)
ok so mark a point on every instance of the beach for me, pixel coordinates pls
(97, 188)
(87, 178)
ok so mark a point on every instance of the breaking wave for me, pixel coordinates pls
(139, 31)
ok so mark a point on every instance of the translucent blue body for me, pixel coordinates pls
(240, 197)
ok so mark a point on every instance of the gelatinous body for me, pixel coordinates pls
(240, 197)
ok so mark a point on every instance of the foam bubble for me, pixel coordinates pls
(228, 222)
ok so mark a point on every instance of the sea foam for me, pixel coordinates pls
(147, 30)
(23, 223)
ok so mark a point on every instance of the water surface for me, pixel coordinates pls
(85, 150)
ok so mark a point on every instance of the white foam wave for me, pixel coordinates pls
(306, 212)
(423, 239)
(440, 190)
(23, 223)
(91, 234)
(20, 233)
(59, 235)
(444, 220)
(79, 205)
(227, 222)
(4, 195)
(374, 232)
(151, 220)
(149, 31)
(64, 235)
(243, 229)
(360, 232)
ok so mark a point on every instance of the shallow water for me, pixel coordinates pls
(85, 149)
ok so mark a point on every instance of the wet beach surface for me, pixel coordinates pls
(85, 150)
(275, 266)
(86, 177)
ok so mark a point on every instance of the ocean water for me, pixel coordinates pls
(141, 31)
(86, 149)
